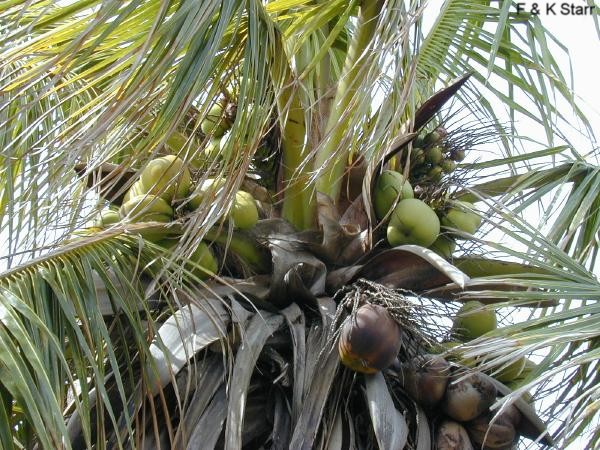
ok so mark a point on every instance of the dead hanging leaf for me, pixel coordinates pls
(389, 425)
(297, 276)
(406, 267)
(260, 327)
(344, 239)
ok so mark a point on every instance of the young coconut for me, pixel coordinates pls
(413, 222)
(468, 396)
(444, 246)
(243, 213)
(215, 124)
(390, 188)
(462, 217)
(434, 155)
(436, 136)
(166, 177)
(136, 189)
(425, 379)
(212, 149)
(369, 340)
(499, 433)
(447, 165)
(435, 174)
(511, 371)
(147, 208)
(473, 320)
(106, 218)
(201, 263)
(451, 435)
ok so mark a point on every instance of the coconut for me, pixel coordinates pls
(201, 263)
(434, 155)
(444, 246)
(243, 213)
(166, 177)
(473, 320)
(461, 217)
(425, 379)
(448, 166)
(468, 395)
(136, 189)
(369, 340)
(451, 435)
(435, 174)
(213, 149)
(435, 136)
(147, 208)
(511, 371)
(457, 155)
(106, 218)
(413, 222)
(205, 263)
(215, 123)
(390, 188)
(495, 433)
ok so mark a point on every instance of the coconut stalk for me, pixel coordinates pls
(330, 162)
(299, 202)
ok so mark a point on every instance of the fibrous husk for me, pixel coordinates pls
(495, 433)
(468, 395)
(425, 379)
(452, 435)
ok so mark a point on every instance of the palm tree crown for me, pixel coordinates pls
(268, 224)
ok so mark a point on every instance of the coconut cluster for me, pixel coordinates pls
(405, 206)
(431, 156)
(164, 183)
(413, 221)
(456, 397)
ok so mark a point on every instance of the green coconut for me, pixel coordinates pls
(474, 320)
(462, 217)
(136, 189)
(147, 208)
(511, 371)
(435, 174)
(166, 177)
(106, 218)
(243, 213)
(413, 222)
(215, 124)
(448, 166)
(434, 155)
(391, 187)
(444, 246)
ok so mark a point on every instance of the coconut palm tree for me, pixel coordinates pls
(183, 322)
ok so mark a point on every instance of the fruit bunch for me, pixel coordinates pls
(164, 183)
(432, 157)
(457, 398)
(413, 221)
